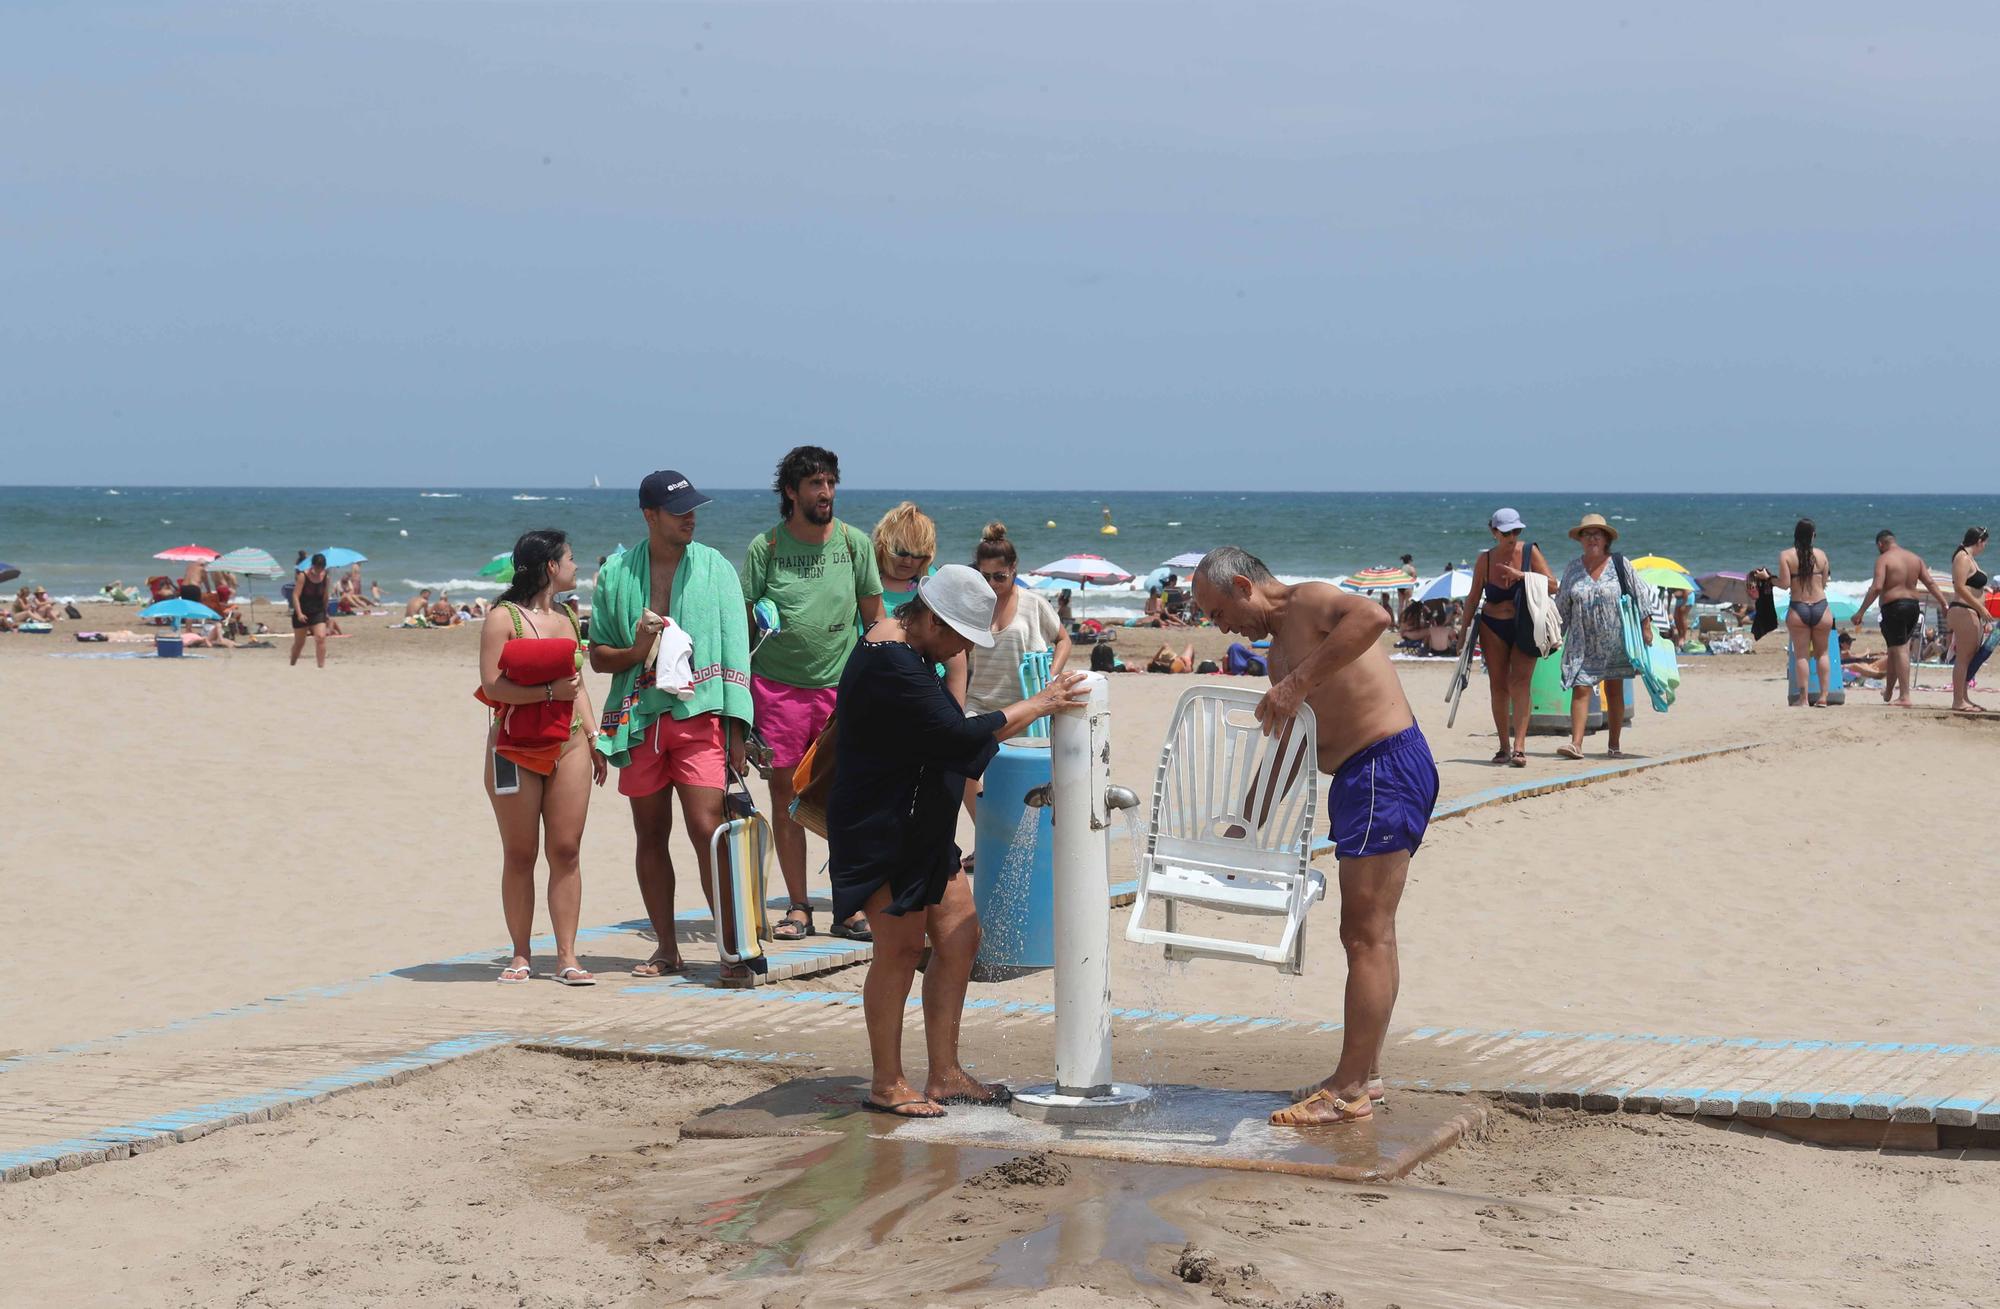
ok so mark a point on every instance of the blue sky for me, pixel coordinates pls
(1327, 247)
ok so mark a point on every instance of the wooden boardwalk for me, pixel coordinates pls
(109, 1098)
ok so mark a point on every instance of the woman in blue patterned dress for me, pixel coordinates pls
(1593, 651)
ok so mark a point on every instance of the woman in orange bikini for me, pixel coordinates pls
(540, 789)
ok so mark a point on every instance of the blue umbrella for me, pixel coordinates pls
(1454, 585)
(1187, 559)
(178, 609)
(336, 557)
(8, 572)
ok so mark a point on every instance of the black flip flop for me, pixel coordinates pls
(791, 929)
(844, 930)
(896, 1110)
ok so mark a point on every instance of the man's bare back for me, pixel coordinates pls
(1355, 705)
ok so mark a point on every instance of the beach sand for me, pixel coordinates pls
(191, 835)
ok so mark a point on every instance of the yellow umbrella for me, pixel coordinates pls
(1659, 561)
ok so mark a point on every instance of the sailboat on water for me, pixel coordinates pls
(595, 485)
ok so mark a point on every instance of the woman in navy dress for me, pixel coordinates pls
(903, 752)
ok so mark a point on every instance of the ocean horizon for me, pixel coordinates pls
(75, 539)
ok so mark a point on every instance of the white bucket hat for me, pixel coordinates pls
(960, 596)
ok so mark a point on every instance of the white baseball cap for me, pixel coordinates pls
(960, 596)
(1505, 520)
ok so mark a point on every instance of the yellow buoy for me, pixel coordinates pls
(1050, 523)
(1109, 528)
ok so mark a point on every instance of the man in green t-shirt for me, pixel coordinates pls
(818, 571)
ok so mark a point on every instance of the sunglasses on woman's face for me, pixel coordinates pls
(905, 554)
(998, 577)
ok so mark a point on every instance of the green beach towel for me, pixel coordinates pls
(708, 605)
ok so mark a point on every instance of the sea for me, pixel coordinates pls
(75, 539)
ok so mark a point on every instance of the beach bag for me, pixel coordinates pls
(1638, 651)
(812, 780)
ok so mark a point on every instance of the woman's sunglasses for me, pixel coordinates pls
(906, 554)
(1002, 576)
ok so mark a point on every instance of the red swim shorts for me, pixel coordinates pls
(682, 751)
(789, 718)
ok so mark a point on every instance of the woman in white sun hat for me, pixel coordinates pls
(1594, 632)
(903, 751)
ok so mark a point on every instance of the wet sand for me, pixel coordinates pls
(530, 1179)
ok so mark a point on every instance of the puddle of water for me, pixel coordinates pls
(807, 1209)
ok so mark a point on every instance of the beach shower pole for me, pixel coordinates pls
(1082, 795)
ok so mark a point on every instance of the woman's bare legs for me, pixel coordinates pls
(1499, 687)
(1614, 712)
(520, 819)
(1801, 637)
(1822, 643)
(899, 947)
(565, 805)
(953, 927)
(1521, 690)
(1964, 644)
(1579, 716)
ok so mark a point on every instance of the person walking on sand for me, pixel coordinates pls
(904, 750)
(540, 790)
(667, 622)
(819, 572)
(309, 610)
(1898, 574)
(1966, 615)
(1325, 652)
(1506, 636)
(1594, 632)
(1802, 570)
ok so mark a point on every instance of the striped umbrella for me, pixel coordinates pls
(249, 561)
(1379, 579)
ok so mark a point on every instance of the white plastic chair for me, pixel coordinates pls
(1231, 828)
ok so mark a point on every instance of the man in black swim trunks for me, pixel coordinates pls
(1898, 574)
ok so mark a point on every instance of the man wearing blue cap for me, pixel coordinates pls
(667, 621)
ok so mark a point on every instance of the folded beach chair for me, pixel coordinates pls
(1230, 830)
(739, 852)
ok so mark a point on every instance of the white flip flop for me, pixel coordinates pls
(526, 971)
(581, 979)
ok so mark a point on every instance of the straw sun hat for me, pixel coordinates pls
(1590, 521)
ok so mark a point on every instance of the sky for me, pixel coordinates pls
(1402, 245)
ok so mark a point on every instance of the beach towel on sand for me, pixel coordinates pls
(707, 605)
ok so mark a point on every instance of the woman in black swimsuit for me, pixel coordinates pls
(1966, 616)
(1802, 570)
(1506, 636)
(309, 610)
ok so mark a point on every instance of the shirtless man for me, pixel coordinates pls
(1325, 652)
(419, 603)
(1898, 574)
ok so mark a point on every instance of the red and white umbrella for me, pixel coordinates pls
(190, 554)
(1085, 569)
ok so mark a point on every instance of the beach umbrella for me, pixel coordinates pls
(336, 557)
(500, 569)
(187, 554)
(1454, 585)
(1084, 568)
(8, 572)
(1185, 559)
(1379, 579)
(1658, 561)
(249, 561)
(1666, 579)
(178, 609)
(1724, 588)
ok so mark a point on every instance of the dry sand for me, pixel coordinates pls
(186, 836)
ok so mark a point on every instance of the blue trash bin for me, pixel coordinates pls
(1013, 875)
(168, 647)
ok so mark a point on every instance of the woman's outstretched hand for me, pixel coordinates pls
(1062, 692)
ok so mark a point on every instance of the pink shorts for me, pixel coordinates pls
(789, 718)
(686, 752)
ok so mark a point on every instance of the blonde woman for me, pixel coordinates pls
(906, 553)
